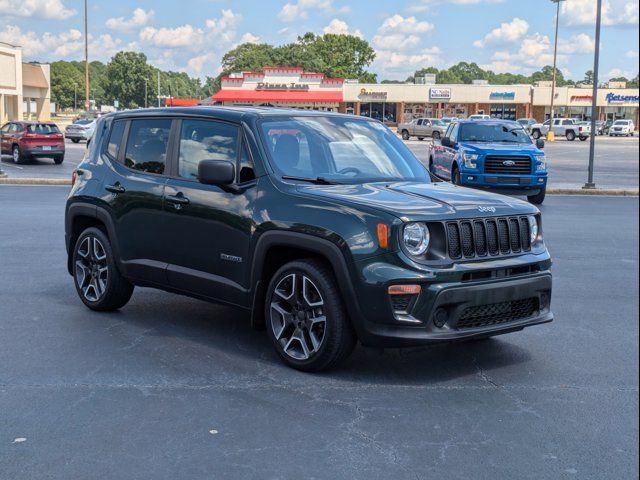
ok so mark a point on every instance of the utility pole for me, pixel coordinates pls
(158, 88)
(75, 97)
(594, 99)
(86, 59)
(550, 134)
(145, 92)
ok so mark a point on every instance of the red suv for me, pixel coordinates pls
(25, 140)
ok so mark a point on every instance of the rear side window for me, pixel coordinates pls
(147, 144)
(115, 139)
(205, 140)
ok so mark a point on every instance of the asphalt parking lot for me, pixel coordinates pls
(616, 164)
(171, 387)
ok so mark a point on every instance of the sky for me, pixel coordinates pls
(192, 35)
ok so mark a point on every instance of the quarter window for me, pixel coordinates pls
(115, 139)
(205, 140)
(147, 145)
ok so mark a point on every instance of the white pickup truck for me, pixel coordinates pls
(562, 127)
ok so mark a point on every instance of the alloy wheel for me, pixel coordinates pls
(16, 155)
(297, 316)
(91, 268)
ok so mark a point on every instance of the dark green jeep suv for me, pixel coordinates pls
(324, 226)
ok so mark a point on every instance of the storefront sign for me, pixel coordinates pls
(367, 96)
(614, 98)
(440, 93)
(581, 98)
(282, 86)
(503, 95)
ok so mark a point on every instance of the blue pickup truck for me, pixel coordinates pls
(491, 154)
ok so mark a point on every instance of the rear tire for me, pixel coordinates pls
(538, 198)
(17, 155)
(58, 159)
(571, 136)
(536, 134)
(405, 135)
(306, 318)
(583, 138)
(96, 276)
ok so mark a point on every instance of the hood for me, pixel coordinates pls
(500, 148)
(421, 201)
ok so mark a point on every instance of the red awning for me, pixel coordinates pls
(308, 96)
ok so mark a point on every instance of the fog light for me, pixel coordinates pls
(440, 317)
(471, 178)
(541, 180)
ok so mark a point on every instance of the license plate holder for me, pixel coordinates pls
(46, 148)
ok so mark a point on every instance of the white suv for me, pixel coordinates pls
(622, 127)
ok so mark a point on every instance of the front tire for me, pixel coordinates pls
(58, 159)
(435, 135)
(96, 276)
(455, 176)
(583, 138)
(17, 155)
(538, 198)
(405, 135)
(536, 134)
(306, 318)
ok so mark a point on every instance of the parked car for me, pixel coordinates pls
(527, 123)
(479, 117)
(607, 126)
(81, 129)
(324, 226)
(27, 140)
(562, 127)
(421, 128)
(491, 154)
(622, 127)
(600, 127)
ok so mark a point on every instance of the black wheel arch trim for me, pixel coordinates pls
(320, 246)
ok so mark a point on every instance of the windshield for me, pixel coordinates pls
(494, 132)
(339, 150)
(621, 122)
(83, 121)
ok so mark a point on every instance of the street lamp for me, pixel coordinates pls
(550, 134)
(594, 98)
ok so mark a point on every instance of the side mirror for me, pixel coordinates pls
(446, 142)
(540, 143)
(216, 172)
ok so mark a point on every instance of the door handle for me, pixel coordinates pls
(178, 200)
(115, 188)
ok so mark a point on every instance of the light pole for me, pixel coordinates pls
(145, 92)
(550, 134)
(86, 59)
(75, 97)
(594, 98)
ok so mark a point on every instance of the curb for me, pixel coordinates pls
(616, 192)
(34, 181)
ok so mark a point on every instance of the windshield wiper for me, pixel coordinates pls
(316, 180)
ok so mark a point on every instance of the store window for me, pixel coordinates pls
(383, 111)
(505, 112)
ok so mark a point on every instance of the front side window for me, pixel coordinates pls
(205, 140)
(147, 144)
(5, 128)
(339, 149)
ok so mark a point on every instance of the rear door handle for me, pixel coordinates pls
(116, 188)
(178, 200)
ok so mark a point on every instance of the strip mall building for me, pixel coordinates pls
(394, 103)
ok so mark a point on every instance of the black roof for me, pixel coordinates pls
(225, 113)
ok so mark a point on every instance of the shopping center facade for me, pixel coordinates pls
(395, 103)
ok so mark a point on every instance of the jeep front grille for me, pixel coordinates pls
(483, 237)
(508, 164)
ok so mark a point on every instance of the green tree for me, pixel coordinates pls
(66, 82)
(248, 57)
(344, 56)
(126, 73)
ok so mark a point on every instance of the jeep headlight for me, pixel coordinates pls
(415, 237)
(533, 229)
(470, 160)
(541, 163)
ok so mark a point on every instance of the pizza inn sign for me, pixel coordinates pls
(282, 86)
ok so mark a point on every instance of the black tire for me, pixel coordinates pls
(405, 135)
(17, 155)
(58, 159)
(536, 134)
(571, 136)
(455, 175)
(538, 198)
(435, 135)
(103, 291)
(75, 140)
(582, 138)
(421, 138)
(291, 322)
